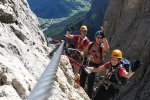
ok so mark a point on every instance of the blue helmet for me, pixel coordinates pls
(99, 33)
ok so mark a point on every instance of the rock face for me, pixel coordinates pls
(65, 87)
(127, 26)
(22, 49)
(95, 16)
(23, 52)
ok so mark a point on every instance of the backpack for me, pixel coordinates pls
(100, 49)
(127, 65)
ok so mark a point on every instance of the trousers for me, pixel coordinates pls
(90, 82)
(106, 94)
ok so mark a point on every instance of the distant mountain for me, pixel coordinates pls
(58, 8)
(56, 31)
(93, 19)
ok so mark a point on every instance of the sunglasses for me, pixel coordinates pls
(83, 31)
(113, 59)
(99, 37)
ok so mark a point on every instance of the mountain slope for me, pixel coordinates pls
(58, 8)
(93, 19)
(57, 30)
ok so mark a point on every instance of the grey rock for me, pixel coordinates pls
(23, 55)
(94, 18)
(9, 92)
(68, 89)
(127, 26)
(6, 14)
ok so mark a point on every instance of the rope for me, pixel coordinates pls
(42, 89)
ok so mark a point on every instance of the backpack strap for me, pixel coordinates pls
(90, 46)
(101, 57)
(83, 41)
(119, 81)
(116, 74)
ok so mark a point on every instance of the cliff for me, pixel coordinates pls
(23, 55)
(94, 18)
(127, 26)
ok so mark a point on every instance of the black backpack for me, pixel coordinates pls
(127, 65)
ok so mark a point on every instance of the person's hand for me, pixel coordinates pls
(81, 53)
(103, 34)
(136, 65)
(88, 70)
(67, 34)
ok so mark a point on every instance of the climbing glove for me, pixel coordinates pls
(87, 70)
(103, 34)
(136, 65)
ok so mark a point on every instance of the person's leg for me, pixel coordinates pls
(105, 94)
(83, 76)
(101, 93)
(91, 79)
(112, 92)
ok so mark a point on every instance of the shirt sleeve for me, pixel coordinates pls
(107, 64)
(121, 70)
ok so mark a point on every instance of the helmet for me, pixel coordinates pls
(116, 54)
(83, 28)
(99, 33)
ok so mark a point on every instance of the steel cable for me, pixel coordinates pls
(42, 89)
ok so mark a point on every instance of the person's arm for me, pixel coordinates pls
(127, 74)
(68, 35)
(106, 45)
(99, 69)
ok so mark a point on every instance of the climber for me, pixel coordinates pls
(116, 77)
(81, 42)
(95, 53)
